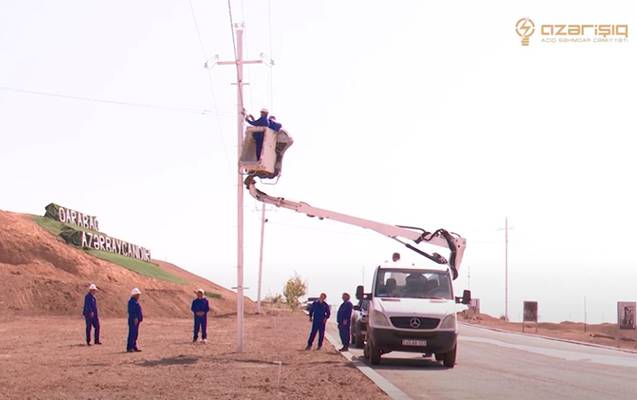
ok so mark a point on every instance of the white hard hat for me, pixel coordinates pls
(135, 291)
(265, 110)
(92, 287)
(200, 291)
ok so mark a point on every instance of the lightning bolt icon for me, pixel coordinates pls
(525, 28)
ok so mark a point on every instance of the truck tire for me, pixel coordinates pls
(359, 342)
(373, 353)
(449, 358)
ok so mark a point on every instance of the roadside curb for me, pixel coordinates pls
(380, 381)
(599, 346)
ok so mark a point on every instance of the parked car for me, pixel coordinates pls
(308, 303)
(359, 323)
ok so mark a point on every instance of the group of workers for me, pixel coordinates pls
(200, 308)
(319, 313)
(265, 121)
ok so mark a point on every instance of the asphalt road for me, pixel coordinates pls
(495, 365)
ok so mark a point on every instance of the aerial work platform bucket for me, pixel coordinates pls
(274, 146)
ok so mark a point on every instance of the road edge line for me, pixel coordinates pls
(383, 384)
(599, 346)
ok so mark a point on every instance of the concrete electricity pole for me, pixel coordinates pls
(239, 62)
(263, 221)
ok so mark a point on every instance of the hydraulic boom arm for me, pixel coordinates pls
(440, 237)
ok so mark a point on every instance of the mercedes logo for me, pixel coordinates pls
(414, 323)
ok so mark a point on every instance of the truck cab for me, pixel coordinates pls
(413, 309)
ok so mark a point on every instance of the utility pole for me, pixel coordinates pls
(239, 62)
(506, 268)
(263, 221)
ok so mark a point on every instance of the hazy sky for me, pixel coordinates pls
(402, 112)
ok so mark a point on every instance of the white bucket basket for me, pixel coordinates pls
(274, 145)
(249, 151)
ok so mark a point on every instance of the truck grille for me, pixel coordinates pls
(414, 322)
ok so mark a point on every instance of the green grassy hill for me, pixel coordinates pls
(141, 267)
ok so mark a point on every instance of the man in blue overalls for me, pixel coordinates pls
(344, 318)
(272, 124)
(258, 136)
(90, 315)
(200, 310)
(135, 317)
(319, 314)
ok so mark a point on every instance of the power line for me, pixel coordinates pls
(210, 84)
(202, 111)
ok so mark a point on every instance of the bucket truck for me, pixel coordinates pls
(410, 308)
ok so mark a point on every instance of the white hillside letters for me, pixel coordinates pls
(92, 239)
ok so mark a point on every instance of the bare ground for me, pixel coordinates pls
(599, 334)
(45, 358)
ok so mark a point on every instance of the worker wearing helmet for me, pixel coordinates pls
(319, 314)
(90, 315)
(258, 136)
(343, 318)
(200, 308)
(135, 317)
(272, 124)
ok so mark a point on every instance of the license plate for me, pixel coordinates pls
(414, 342)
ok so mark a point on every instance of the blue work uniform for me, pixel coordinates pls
(319, 314)
(258, 136)
(344, 318)
(135, 317)
(275, 126)
(91, 317)
(200, 306)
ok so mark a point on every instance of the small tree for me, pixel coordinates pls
(294, 289)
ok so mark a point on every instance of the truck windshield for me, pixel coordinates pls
(409, 283)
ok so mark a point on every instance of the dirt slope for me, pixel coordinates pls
(42, 275)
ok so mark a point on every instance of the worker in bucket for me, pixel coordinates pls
(319, 314)
(258, 136)
(90, 315)
(343, 319)
(272, 124)
(200, 310)
(135, 318)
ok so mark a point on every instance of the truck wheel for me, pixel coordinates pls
(449, 358)
(374, 353)
(359, 342)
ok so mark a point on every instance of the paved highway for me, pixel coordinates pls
(495, 365)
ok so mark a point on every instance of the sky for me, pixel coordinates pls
(403, 112)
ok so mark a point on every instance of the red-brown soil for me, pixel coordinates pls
(41, 275)
(45, 358)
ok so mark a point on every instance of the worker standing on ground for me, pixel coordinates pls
(258, 136)
(135, 317)
(343, 319)
(200, 310)
(90, 315)
(319, 314)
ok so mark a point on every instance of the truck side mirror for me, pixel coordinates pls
(466, 297)
(360, 292)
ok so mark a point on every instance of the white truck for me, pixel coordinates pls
(410, 308)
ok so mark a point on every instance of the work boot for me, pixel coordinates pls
(88, 343)
(98, 342)
(308, 348)
(137, 350)
(318, 348)
(344, 348)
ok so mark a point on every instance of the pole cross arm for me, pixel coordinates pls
(440, 237)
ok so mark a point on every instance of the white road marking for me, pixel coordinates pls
(617, 361)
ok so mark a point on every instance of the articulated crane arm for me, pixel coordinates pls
(440, 237)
